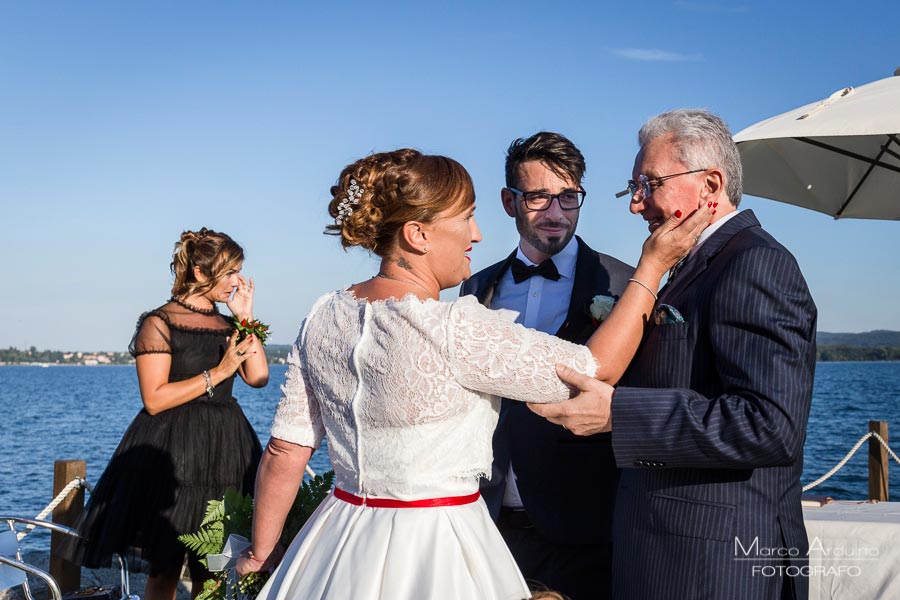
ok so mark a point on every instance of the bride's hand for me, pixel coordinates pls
(672, 240)
(241, 302)
(248, 563)
(245, 565)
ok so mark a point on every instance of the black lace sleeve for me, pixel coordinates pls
(152, 335)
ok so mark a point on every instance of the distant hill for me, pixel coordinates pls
(871, 345)
(880, 338)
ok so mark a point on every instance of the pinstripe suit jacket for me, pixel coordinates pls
(709, 424)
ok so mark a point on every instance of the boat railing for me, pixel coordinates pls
(67, 505)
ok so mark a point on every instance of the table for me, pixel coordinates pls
(854, 550)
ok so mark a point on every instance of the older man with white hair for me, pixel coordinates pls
(709, 421)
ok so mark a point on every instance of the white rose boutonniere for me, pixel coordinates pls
(600, 308)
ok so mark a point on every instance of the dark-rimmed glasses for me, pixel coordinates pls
(567, 199)
(647, 184)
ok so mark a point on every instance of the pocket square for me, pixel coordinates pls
(666, 314)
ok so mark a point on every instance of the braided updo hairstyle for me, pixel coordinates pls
(395, 188)
(215, 253)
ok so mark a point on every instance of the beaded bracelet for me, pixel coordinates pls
(209, 386)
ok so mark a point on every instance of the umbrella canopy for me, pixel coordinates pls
(839, 156)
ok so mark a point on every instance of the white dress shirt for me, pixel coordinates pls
(542, 304)
(706, 233)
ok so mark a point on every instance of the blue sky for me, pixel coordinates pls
(121, 124)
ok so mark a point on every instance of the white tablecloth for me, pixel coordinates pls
(854, 550)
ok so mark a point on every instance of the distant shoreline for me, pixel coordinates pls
(275, 353)
(281, 361)
(276, 361)
(865, 349)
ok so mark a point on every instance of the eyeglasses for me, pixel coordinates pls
(568, 199)
(647, 184)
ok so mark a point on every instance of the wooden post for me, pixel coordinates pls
(67, 575)
(878, 462)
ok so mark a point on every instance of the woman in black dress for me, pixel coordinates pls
(191, 441)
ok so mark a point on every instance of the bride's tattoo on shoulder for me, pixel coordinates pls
(404, 264)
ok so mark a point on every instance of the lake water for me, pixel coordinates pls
(74, 412)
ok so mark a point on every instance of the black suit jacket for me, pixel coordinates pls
(567, 483)
(711, 436)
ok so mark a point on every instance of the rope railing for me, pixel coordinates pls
(78, 482)
(850, 454)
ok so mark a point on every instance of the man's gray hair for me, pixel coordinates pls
(702, 141)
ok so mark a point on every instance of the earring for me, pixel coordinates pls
(425, 249)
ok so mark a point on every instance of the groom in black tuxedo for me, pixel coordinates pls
(551, 492)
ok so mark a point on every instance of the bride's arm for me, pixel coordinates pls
(490, 354)
(296, 431)
(616, 340)
(614, 343)
(277, 482)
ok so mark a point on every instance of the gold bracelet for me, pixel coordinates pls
(645, 286)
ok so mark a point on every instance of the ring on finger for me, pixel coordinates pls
(241, 353)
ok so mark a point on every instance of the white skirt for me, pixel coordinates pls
(361, 553)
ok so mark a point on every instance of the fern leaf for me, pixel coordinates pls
(208, 540)
(234, 514)
(215, 511)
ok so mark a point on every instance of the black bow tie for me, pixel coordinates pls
(521, 271)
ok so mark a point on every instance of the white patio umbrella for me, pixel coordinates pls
(839, 156)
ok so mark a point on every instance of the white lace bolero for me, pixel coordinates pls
(407, 389)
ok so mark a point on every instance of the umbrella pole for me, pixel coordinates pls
(872, 161)
(862, 180)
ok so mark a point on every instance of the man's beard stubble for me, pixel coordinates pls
(552, 245)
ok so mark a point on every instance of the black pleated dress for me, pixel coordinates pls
(168, 466)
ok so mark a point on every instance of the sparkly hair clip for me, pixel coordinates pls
(345, 207)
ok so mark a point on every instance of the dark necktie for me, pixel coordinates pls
(521, 271)
(676, 268)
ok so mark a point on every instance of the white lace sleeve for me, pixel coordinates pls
(491, 354)
(297, 418)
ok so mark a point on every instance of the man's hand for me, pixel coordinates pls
(587, 413)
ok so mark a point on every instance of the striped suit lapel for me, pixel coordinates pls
(696, 264)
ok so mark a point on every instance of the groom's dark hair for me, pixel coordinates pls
(553, 149)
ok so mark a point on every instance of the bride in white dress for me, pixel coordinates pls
(406, 388)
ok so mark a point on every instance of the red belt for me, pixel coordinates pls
(390, 503)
